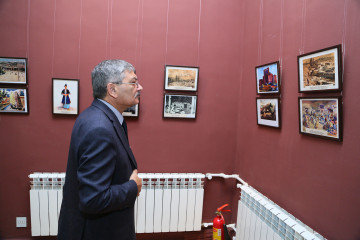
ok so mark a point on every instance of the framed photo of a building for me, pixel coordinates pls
(13, 70)
(179, 106)
(268, 78)
(268, 111)
(321, 117)
(320, 71)
(65, 98)
(132, 111)
(14, 100)
(181, 78)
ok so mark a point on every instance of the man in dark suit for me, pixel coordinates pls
(101, 181)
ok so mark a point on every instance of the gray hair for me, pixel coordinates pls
(108, 71)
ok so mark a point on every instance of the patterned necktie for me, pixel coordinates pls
(125, 128)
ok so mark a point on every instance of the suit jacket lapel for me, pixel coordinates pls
(119, 130)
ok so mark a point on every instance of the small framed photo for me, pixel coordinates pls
(14, 100)
(13, 70)
(65, 96)
(179, 106)
(268, 78)
(181, 78)
(321, 117)
(320, 71)
(268, 112)
(132, 111)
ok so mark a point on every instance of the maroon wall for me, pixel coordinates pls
(317, 180)
(67, 38)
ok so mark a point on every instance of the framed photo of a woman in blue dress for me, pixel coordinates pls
(65, 96)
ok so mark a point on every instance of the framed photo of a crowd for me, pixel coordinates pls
(320, 71)
(65, 96)
(14, 100)
(268, 111)
(321, 117)
(181, 78)
(268, 78)
(132, 111)
(179, 106)
(13, 70)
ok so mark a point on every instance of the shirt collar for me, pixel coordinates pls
(115, 111)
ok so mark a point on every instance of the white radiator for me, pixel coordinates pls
(167, 203)
(45, 202)
(261, 219)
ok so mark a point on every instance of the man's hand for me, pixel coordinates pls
(134, 176)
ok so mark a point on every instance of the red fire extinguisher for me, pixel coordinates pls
(219, 228)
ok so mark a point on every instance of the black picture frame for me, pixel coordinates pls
(320, 71)
(14, 100)
(180, 106)
(181, 78)
(268, 78)
(13, 70)
(268, 111)
(321, 117)
(65, 104)
(132, 112)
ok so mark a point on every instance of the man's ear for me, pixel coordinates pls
(111, 90)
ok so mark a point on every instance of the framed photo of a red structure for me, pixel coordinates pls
(320, 71)
(268, 78)
(321, 117)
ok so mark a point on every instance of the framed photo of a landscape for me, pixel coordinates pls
(321, 117)
(268, 111)
(320, 71)
(13, 70)
(181, 78)
(179, 106)
(65, 94)
(14, 100)
(132, 111)
(268, 78)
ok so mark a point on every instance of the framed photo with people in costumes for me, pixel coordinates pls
(132, 111)
(65, 96)
(321, 117)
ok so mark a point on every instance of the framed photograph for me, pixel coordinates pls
(179, 106)
(65, 96)
(321, 117)
(181, 78)
(132, 111)
(268, 78)
(320, 70)
(14, 100)
(268, 112)
(13, 70)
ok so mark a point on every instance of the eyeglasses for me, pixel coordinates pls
(134, 83)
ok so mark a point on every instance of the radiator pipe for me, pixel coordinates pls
(235, 176)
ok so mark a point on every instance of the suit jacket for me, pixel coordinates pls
(98, 198)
